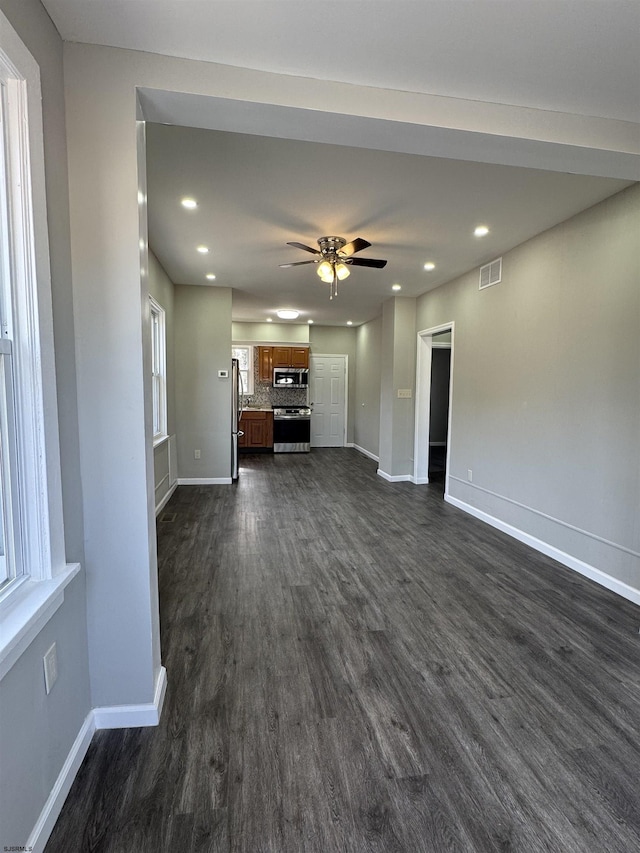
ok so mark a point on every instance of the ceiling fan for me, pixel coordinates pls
(335, 256)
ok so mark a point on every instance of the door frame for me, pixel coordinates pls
(423, 404)
(345, 399)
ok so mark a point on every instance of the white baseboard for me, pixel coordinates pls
(123, 716)
(165, 500)
(365, 452)
(49, 815)
(398, 478)
(600, 577)
(437, 444)
(204, 481)
(419, 481)
(134, 716)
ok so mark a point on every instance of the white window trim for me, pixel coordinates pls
(249, 389)
(26, 606)
(157, 309)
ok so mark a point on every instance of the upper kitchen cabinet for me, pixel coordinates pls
(265, 363)
(290, 357)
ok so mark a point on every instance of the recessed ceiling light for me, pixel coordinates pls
(189, 203)
(203, 250)
(481, 231)
(211, 276)
(288, 314)
(310, 322)
(429, 266)
(396, 287)
(349, 322)
(269, 320)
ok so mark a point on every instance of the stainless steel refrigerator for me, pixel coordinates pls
(237, 398)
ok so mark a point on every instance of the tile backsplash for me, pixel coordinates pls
(265, 395)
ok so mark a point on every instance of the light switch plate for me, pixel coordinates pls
(404, 393)
(223, 374)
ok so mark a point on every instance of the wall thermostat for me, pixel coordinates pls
(223, 374)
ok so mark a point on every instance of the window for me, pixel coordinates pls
(158, 369)
(12, 563)
(244, 354)
(31, 525)
(33, 571)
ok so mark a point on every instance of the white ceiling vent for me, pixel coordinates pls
(491, 273)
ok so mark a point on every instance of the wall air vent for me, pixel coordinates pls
(491, 273)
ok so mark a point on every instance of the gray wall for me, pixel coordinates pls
(203, 402)
(546, 396)
(36, 730)
(337, 340)
(277, 333)
(398, 354)
(368, 377)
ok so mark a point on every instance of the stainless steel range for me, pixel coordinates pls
(291, 429)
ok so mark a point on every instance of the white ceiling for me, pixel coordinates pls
(575, 56)
(257, 193)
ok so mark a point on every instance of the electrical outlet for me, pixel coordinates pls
(470, 475)
(50, 662)
(196, 454)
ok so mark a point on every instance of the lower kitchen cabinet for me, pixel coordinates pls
(258, 431)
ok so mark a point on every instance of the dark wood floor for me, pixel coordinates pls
(354, 665)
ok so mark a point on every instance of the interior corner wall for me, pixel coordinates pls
(367, 387)
(398, 353)
(203, 400)
(114, 397)
(546, 396)
(38, 730)
(337, 340)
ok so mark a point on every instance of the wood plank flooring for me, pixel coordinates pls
(354, 665)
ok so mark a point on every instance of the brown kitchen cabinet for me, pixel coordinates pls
(265, 364)
(290, 357)
(258, 431)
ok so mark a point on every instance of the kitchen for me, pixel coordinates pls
(270, 411)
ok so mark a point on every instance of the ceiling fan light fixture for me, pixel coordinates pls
(342, 271)
(288, 314)
(325, 271)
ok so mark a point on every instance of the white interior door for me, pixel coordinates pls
(327, 384)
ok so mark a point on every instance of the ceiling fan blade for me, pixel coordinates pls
(366, 262)
(297, 264)
(354, 246)
(305, 248)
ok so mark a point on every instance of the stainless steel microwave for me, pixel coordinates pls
(290, 377)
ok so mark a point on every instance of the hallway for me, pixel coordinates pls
(354, 665)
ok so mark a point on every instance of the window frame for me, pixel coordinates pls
(26, 331)
(248, 386)
(158, 331)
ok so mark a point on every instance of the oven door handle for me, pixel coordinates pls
(290, 418)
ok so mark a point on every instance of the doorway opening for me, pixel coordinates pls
(434, 393)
